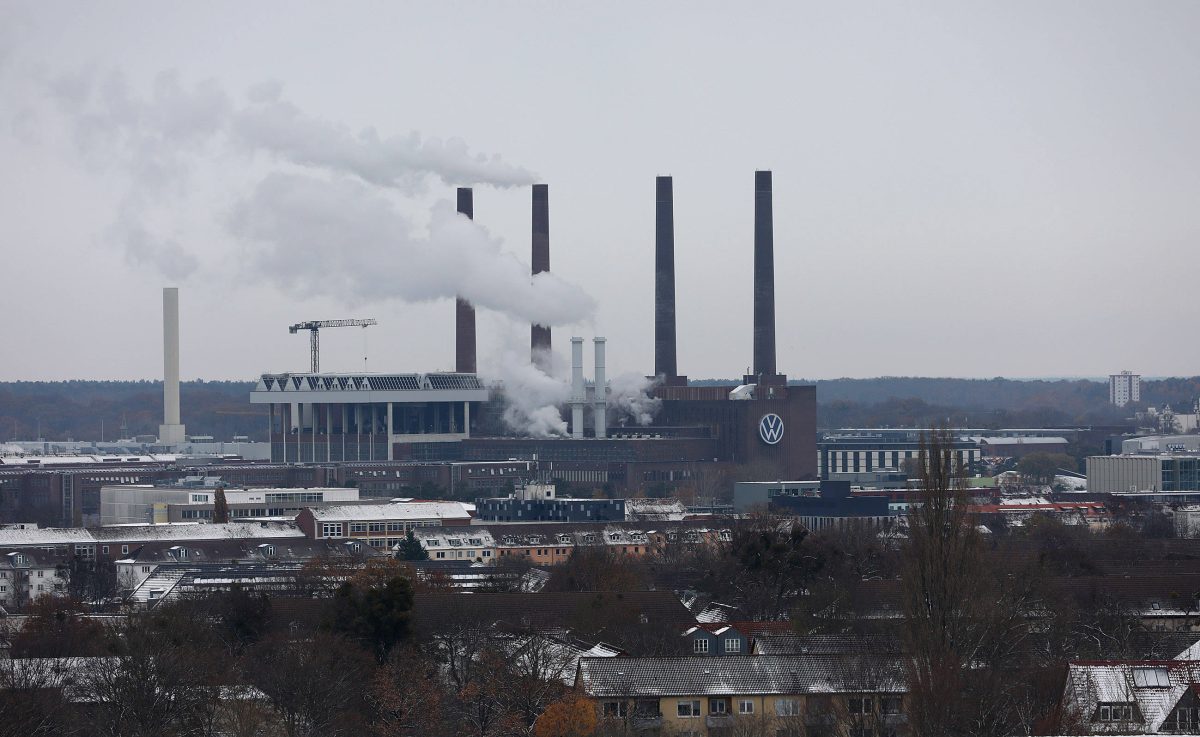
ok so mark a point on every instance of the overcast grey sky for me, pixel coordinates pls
(961, 189)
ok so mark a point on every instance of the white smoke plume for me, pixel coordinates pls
(274, 125)
(341, 238)
(629, 395)
(327, 211)
(533, 398)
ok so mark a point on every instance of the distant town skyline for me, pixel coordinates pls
(959, 190)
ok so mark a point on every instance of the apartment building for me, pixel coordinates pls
(547, 544)
(748, 694)
(26, 575)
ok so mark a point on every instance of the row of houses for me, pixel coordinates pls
(553, 543)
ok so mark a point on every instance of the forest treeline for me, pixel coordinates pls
(76, 409)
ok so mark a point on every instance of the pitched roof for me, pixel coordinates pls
(1156, 686)
(227, 551)
(146, 533)
(584, 612)
(737, 675)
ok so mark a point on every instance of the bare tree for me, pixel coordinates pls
(315, 687)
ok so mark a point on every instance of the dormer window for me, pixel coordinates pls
(1115, 713)
(268, 551)
(564, 539)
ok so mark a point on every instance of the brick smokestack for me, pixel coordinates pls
(464, 311)
(539, 335)
(664, 281)
(764, 278)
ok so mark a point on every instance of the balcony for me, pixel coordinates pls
(719, 721)
(646, 721)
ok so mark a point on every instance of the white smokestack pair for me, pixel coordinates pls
(578, 399)
(171, 432)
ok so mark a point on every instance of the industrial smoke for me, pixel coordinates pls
(318, 209)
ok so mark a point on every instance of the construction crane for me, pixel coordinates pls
(314, 328)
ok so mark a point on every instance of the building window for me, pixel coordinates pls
(733, 645)
(358, 527)
(890, 704)
(787, 707)
(331, 529)
(615, 709)
(688, 708)
(41, 574)
(718, 706)
(858, 705)
(145, 569)
(1115, 713)
(700, 645)
(124, 550)
(745, 706)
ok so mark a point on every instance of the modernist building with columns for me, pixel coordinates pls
(318, 418)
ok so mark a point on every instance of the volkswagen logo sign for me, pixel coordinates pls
(770, 428)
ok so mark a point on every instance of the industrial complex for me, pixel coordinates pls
(761, 427)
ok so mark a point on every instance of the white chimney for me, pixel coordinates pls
(600, 397)
(578, 395)
(171, 432)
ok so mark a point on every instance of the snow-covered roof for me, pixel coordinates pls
(398, 511)
(1021, 441)
(146, 533)
(1153, 686)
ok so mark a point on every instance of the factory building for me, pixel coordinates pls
(843, 453)
(327, 418)
(761, 423)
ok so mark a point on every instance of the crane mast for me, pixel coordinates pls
(314, 329)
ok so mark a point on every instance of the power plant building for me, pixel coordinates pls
(761, 423)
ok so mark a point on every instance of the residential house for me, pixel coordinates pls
(117, 542)
(715, 639)
(1132, 697)
(26, 575)
(143, 560)
(787, 695)
(470, 544)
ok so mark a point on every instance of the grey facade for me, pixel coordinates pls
(564, 509)
(1143, 473)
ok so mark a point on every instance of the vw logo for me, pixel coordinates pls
(770, 428)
